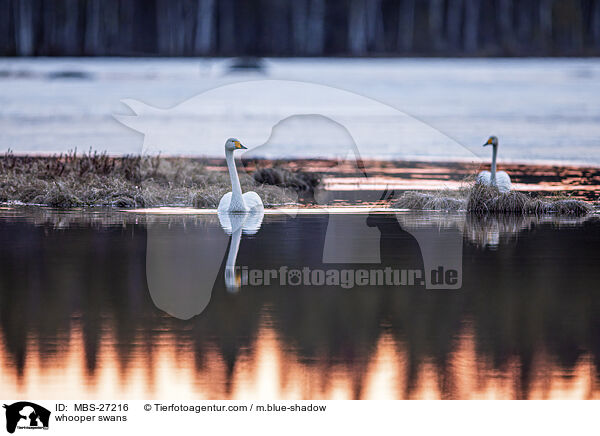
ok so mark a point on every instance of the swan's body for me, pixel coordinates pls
(248, 202)
(499, 179)
(502, 181)
(235, 201)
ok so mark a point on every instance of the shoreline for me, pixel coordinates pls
(134, 181)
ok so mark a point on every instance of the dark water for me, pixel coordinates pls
(124, 305)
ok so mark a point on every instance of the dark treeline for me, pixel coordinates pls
(299, 27)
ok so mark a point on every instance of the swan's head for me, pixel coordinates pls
(234, 144)
(492, 140)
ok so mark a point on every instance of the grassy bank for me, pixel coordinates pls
(481, 199)
(96, 179)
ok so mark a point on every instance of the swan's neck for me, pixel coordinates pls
(234, 246)
(236, 189)
(230, 274)
(494, 154)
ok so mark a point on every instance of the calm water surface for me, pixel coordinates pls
(81, 315)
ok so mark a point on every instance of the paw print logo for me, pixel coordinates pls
(294, 277)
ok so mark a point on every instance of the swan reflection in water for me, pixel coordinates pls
(486, 231)
(236, 224)
(493, 231)
(184, 257)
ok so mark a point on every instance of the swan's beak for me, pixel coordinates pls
(489, 142)
(239, 145)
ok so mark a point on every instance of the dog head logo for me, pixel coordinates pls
(26, 415)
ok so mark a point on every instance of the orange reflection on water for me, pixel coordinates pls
(168, 368)
(425, 184)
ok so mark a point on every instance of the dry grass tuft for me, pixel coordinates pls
(571, 207)
(429, 201)
(482, 199)
(487, 199)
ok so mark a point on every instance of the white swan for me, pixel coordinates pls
(235, 201)
(500, 179)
